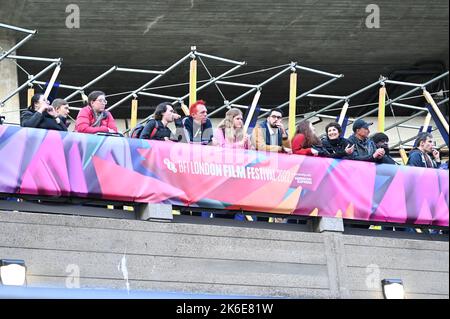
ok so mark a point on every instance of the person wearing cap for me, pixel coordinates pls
(381, 140)
(423, 148)
(365, 149)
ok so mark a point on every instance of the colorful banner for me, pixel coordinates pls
(52, 163)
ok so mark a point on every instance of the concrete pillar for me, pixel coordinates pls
(8, 83)
(327, 224)
(157, 212)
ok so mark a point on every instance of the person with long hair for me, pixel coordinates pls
(230, 132)
(156, 128)
(40, 114)
(304, 140)
(93, 118)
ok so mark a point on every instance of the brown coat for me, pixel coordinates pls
(259, 141)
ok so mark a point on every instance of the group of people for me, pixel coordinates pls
(269, 135)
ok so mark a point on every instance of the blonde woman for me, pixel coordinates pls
(230, 132)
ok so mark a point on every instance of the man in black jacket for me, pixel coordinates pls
(365, 148)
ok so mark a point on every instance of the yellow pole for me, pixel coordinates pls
(438, 112)
(343, 113)
(30, 95)
(403, 155)
(134, 107)
(193, 82)
(185, 109)
(292, 103)
(381, 108)
(426, 123)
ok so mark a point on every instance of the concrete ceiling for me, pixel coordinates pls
(329, 35)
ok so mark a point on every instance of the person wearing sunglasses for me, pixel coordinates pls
(93, 118)
(40, 114)
(270, 135)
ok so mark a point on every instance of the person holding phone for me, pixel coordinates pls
(270, 135)
(334, 144)
(40, 114)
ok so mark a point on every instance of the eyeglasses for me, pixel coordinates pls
(102, 101)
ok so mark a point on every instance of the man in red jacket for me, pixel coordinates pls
(93, 118)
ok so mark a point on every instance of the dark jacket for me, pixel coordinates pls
(195, 133)
(41, 120)
(334, 148)
(364, 150)
(161, 131)
(418, 158)
(387, 159)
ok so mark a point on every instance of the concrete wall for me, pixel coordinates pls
(8, 82)
(236, 258)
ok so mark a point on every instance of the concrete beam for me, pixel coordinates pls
(159, 212)
(327, 224)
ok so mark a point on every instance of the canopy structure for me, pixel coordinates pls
(252, 90)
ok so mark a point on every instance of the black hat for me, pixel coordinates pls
(360, 124)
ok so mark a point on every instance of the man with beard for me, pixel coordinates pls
(270, 135)
(381, 140)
